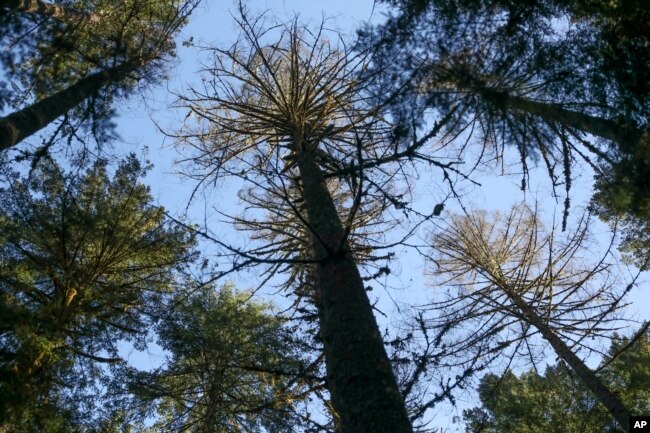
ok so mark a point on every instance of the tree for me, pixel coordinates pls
(284, 109)
(625, 369)
(56, 11)
(85, 261)
(595, 31)
(21, 124)
(557, 401)
(558, 93)
(512, 274)
(81, 60)
(553, 402)
(612, 34)
(232, 366)
(621, 201)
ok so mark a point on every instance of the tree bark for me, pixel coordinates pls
(58, 12)
(362, 386)
(610, 400)
(626, 137)
(23, 123)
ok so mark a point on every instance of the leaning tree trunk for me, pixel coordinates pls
(58, 12)
(23, 123)
(360, 380)
(610, 400)
(626, 137)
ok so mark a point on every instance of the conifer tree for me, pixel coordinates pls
(79, 61)
(85, 260)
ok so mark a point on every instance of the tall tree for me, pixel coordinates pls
(283, 108)
(80, 60)
(23, 123)
(559, 80)
(475, 31)
(233, 366)
(512, 272)
(618, 32)
(85, 260)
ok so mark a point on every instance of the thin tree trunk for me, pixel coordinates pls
(360, 380)
(58, 12)
(610, 400)
(23, 123)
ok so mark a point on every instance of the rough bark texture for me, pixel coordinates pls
(57, 12)
(610, 400)
(360, 380)
(23, 123)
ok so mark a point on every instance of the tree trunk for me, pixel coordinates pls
(23, 123)
(360, 380)
(610, 400)
(626, 137)
(58, 12)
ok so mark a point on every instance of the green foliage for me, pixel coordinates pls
(628, 372)
(85, 259)
(232, 366)
(46, 54)
(621, 199)
(122, 31)
(557, 402)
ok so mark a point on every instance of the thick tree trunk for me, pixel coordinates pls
(57, 12)
(360, 380)
(23, 123)
(626, 137)
(610, 400)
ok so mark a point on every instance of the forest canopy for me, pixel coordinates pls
(267, 217)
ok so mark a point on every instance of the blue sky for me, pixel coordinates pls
(212, 24)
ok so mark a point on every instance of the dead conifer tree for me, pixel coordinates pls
(284, 109)
(516, 279)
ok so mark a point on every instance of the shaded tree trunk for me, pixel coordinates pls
(23, 123)
(58, 12)
(626, 137)
(610, 400)
(360, 380)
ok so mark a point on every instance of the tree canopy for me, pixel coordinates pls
(292, 304)
(560, 81)
(71, 63)
(556, 401)
(233, 366)
(85, 261)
